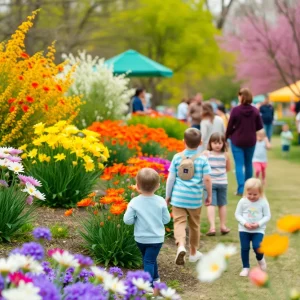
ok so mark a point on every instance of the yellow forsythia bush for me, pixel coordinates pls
(31, 89)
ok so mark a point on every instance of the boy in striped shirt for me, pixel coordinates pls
(186, 196)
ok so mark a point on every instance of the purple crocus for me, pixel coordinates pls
(33, 249)
(117, 272)
(84, 261)
(28, 179)
(42, 233)
(3, 183)
(85, 291)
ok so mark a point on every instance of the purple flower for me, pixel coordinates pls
(3, 183)
(15, 151)
(16, 251)
(85, 291)
(49, 272)
(29, 200)
(28, 179)
(160, 285)
(1, 283)
(48, 291)
(117, 272)
(138, 274)
(68, 277)
(84, 261)
(166, 163)
(33, 249)
(42, 233)
(14, 158)
(85, 275)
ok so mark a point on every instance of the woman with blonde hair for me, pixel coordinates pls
(210, 123)
(244, 122)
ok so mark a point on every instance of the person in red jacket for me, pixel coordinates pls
(244, 122)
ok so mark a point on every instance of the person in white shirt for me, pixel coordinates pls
(252, 213)
(182, 110)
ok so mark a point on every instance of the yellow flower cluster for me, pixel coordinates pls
(31, 89)
(84, 144)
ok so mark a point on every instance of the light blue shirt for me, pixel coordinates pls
(260, 153)
(149, 214)
(189, 193)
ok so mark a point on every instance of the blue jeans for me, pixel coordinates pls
(243, 160)
(245, 239)
(269, 130)
(149, 254)
(196, 126)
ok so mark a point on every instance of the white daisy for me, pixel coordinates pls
(100, 273)
(142, 285)
(8, 266)
(65, 259)
(30, 189)
(114, 285)
(26, 263)
(211, 266)
(23, 291)
(37, 194)
(4, 162)
(170, 294)
(226, 251)
(16, 167)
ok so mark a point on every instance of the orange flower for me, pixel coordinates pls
(12, 109)
(21, 77)
(85, 202)
(96, 212)
(34, 85)
(46, 89)
(59, 88)
(24, 55)
(274, 245)
(11, 100)
(168, 229)
(118, 209)
(25, 108)
(106, 200)
(101, 224)
(289, 224)
(115, 192)
(69, 212)
(93, 194)
(117, 182)
(108, 218)
(60, 68)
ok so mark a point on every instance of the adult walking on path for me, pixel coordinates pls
(210, 123)
(267, 114)
(244, 122)
(195, 110)
(182, 110)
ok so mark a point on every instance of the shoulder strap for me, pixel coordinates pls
(196, 156)
(181, 154)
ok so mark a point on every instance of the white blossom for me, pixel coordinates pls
(23, 291)
(65, 259)
(141, 284)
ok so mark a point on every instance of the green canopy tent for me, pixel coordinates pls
(137, 65)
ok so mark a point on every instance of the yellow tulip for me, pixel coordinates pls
(274, 245)
(289, 224)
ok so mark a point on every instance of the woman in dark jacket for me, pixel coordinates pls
(244, 122)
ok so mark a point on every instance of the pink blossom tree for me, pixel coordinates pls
(268, 54)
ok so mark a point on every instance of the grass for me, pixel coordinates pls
(59, 231)
(294, 155)
(282, 193)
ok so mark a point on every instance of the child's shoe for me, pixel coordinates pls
(180, 257)
(196, 257)
(262, 264)
(245, 272)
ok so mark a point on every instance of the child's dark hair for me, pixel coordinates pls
(217, 137)
(192, 138)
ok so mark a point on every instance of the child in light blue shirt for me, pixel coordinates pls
(149, 213)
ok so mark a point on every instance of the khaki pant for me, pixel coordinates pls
(181, 215)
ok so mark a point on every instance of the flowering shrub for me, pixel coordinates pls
(30, 91)
(106, 96)
(17, 191)
(66, 160)
(173, 127)
(24, 275)
(135, 135)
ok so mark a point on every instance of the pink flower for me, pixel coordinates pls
(29, 200)
(16, 277)
(15, 152)
(14, 158)
(28, 179)
(53, 251)
(259, 277)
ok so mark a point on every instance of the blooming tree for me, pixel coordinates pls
(106, 96)
(268, 54)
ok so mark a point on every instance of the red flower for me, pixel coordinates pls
(12, 109)
(20, 102)
(29, 99)
(25, 108)
(21, 77)
(34, 85)
(11, 100)
(29, 65)
(46, 107)
(24, 55)
(59, 87)
(46, 89)
(60, 68)
(16, 277)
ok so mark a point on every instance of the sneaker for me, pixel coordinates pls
(245, 272)
(157, 280)
(262, 264)
(180, 257)
(196, 257)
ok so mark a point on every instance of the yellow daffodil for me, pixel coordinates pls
(105, 152)
(39, 128)
(52, 129)
(87, 158)
(89, 166)
(32, 153)
(23, 147)
(60, 156)
(78, 152)
(274, 245)
(289, 224)
(24, 156)
(60, 124)
(42, 157)
(100, 166)
(71, 129)
(75, 163)
(90, 133)
(48, 158)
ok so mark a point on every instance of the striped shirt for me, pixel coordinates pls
(189, 193)
(217, 163)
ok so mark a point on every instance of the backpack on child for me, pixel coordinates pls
(186, 169)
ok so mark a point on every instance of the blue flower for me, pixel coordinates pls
(49, 272)
(85, 291)
(84, 275)
(48, 291)
(116, 271)
(84, 261)
(139, 274)
(33, 249)
(42, 233)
